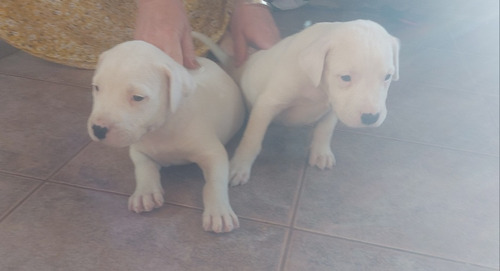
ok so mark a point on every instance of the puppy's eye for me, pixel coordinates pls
(95, 87)
(137, 98)
(346, 78)
(387, 77)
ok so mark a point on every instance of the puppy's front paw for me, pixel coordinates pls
(239, 173)
(322, 158)
(220, 219)
(145, 201)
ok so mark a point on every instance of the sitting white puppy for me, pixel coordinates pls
(168, 116)
(327, 72)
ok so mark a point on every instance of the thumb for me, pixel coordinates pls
(188, 54)
(240, 49)
(175, 52)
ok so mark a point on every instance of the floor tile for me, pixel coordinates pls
(24, 65)
(442, 22)
(483, 74)
(6, 49)
(100, 167)
(315, 252)
(64, 228)
(487, 32)
(428, 35)
(412, 197)
(13, 189)
(477, 29)
(269, 195)
(432, 67)
(43, 125)
(271, 191)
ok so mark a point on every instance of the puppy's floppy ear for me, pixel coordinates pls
(180, 84)
(395, 56)
(101, 58)
(312, 59)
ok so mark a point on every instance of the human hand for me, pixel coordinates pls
(164, 23)
(252, 25)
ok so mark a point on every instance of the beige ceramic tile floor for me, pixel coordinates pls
(418, 193)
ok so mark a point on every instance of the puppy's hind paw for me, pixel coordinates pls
(238, 175)
(323, 159)
(145, 202)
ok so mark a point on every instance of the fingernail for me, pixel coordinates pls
(190, 66)
(194, 64)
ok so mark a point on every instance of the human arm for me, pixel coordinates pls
(164, 23)
(251, 25)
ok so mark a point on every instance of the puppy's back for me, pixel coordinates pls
(218, 99)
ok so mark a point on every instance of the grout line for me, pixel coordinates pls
(53, 173)
(20, 202)
(270, 223)
(75, 186)
(258, 220)
(42, 180)
(21, 175)
(296, 198)
(177, 204)
(87, 188)
(285, 249)
(45, 81)
(401, 250)
(291, 223)
(417, 143)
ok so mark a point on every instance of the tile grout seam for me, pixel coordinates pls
(65, 163)
(22, 201)
(418, 143)
(46, 81)
(401, 250)
(291, 223)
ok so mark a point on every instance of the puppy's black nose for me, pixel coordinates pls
(99, 132)
(369, 119)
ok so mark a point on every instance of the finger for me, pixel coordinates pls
(189, 56)
(266, 39)
(240, 49)
(174, 50)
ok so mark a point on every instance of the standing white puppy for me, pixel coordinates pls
(327, 72)
(168, 116)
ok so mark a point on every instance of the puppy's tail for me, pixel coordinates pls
(225, 60)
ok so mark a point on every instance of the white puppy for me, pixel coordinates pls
(168, 116)
(327, 72)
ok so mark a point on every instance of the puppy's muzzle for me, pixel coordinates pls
(369, 119)
(99, 131)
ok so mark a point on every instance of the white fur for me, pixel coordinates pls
(183, 117)
(300, 81)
